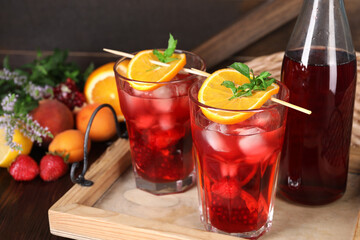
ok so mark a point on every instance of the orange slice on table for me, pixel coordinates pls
(140, 68)
(100, 87)
(213, 94)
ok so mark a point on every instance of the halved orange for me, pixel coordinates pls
(100, 87)
(213, 94)
(141, 69)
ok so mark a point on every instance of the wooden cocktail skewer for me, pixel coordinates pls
(128, 55)
(205, 74)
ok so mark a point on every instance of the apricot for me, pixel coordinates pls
(54, 115)
(103, 126)
(69, 143)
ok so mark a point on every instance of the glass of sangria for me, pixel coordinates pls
(237, 165)
(158, 124)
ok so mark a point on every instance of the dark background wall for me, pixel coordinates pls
(86, 26)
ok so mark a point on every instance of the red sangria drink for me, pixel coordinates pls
(158, 124)
(315, 158)
(237, 164)
(319, 68)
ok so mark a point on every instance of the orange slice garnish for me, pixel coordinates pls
(213, 94)
(141, 69)
(100, 87)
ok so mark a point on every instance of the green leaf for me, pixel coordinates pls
(38, 54)
(41, 69)
(257, 83)
(6, 63)
(88, 70)
(159, 55)
(171, 47)
(231, 85)
(166, 56)
(264, 75)
(246, 86)
(241, 68)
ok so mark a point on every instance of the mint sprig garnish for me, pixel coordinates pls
(166, 56)
(257, 83)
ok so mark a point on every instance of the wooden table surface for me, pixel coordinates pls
(24, 205)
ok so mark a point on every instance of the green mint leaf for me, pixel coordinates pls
(246, 94)
(241, 68)
(167, 60)
(159, 55)
(41, 69)
(253, 74)
(171, 47)
(166, 56)
(231, 85)
(258, 88)
(257, 83)
(264, 75)
(89, 70)
(269, 82)
(6, 63)
(242, 94)
(38, 54)
(246, 86)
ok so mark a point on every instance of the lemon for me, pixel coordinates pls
(7, 155)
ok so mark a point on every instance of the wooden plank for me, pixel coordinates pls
(115, 160)
(77, 216)
(357, 230)
(354, 163)
(247, 30)
(79, 221)
(74, 217)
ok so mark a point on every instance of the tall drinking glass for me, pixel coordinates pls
(158, 125)
(237, 166)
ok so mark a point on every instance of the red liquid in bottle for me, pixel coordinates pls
(314, 162)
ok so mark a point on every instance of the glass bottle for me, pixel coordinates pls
(319, 68)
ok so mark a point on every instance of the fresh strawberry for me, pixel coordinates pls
(24, 168)
(69, 94)
(52, 167)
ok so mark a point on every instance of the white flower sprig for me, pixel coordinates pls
(8, 102)
(38, 92)
(18, 79)
(10, 120)
(35, 91)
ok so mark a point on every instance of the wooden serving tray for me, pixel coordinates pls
(114, 209)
